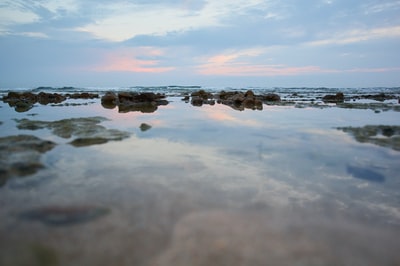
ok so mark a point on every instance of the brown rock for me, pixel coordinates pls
(338, 97)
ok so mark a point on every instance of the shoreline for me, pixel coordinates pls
(148, 101)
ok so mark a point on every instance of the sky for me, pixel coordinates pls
(267, 43)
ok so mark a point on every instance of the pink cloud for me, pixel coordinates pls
(373, 70)
(126, 60)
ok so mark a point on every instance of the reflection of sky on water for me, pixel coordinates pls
(216, 156)
(278, 155)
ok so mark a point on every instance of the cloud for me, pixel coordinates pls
(127, 21)
(373, 70)
(240, 63)
(14, 12)
(382, 7)
(123, 20)
(359, 35)
(34, 34)
(141, 60)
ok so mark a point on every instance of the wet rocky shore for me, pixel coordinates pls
(147, 102)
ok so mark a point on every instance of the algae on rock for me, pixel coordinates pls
(20, 155)
(86, 130)
(382, 135)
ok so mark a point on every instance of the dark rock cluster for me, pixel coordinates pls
(202, 97)
(380, 97)
(236, 100)
(145, 102)
(240, 100)
(24, 101)
(336, 98)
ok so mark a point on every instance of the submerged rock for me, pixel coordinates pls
(145, 127)
(20, 155)
(86, 130)
(382, 135)
(82, 142)
(64, 215)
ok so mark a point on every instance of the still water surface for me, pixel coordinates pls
(205, 186)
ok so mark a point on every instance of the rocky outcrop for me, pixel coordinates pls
(24, 101)
(201, 97)
(235, 99)
(330, 98)
(146, 102)
(240, 100)
(20, 155)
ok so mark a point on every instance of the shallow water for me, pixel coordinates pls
(205, 186)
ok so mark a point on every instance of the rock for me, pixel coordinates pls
(197, 101)
(249, 94)
(82, 142)
(86, 130)
(46, 98)
(202, 94)
(240, 101)
(146, 102)
(109, 100)
(337, 98)
(22, 106)
(382, 135)
(24, 101)
(143, 107)
(270, 97)
(83, 95)
(20, 155)
(201, 97)
(186, 98)
(144, 127)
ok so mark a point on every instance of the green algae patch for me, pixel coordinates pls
(382, 135)
(86, 130)
(20, 155)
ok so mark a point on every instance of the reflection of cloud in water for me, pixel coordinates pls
(223, 114)
(185, 167)
(274, 238)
